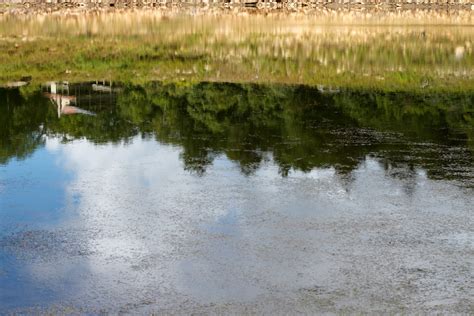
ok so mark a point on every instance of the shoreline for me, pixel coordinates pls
(389, 51)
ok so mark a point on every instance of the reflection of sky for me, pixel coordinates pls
(32, 196)
(153, 229)
(17, 287)
(33, 192)
(22, 285)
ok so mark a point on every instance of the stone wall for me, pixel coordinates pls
(465, 4)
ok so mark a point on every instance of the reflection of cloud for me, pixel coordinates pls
(117, 184)
(52, 144)
(159, 235)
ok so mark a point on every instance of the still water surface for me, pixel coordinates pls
(234, 198)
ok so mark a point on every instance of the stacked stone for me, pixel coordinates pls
(261, 4)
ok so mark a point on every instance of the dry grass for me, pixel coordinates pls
(140, 46)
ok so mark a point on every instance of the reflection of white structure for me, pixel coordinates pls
(62, 100)
(55, 87)
(103, 86)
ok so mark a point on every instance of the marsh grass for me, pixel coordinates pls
(139, 47)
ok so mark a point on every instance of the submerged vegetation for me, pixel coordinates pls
(300, 127)
(352, 51)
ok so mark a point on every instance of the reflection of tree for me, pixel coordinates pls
(445, 119)
(244, 122)
(300, 127)
(423, 116)
(21, 124)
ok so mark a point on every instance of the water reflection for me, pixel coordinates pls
(150, 236)
(63, 100)
(179, 197)
(298, 127)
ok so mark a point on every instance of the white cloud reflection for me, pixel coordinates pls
(161, 236)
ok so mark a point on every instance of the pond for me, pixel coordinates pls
(234, 198)
(231, 160)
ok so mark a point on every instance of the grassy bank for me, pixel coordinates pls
(141, 47)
